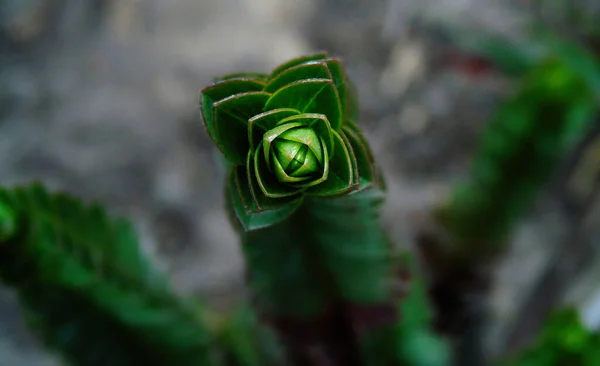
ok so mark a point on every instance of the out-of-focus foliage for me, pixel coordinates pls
(563, 341)
(421, 346)
(87, 289)
(523, 145)
(247, 342)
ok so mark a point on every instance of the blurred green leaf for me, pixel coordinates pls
(87, 288)
(564, 340)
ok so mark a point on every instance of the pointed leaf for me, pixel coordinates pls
(263, 202)
(250, 215)
(282, 176)
(319, 123)
(339, 79)
(271, 135)
(297, 61)
(231, 117)
(261, 123)
(352, 107)
(266, 179)
(342, 177)
(367, 169)
(325, 174)
(311, 164)
(304, 136)
(310, 70)
(257, 76)
(310, 96)
(214, 93)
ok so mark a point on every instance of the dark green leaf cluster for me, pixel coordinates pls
(87, 289)
(520, 149)
(563, 341)
(287, 135)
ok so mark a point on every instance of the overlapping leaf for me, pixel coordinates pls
(290, 120)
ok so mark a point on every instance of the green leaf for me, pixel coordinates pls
(87, 289)
(299, 151)
(352, 106)
(305, 71)
(342, 177)
(300, 182)
(378, 173)
(8, 226)
(266, 179)
(579, 117)
(271, 135)
(217, 92)
(580, 61)
(323, 176)
(281, 174)
(310, 96)
(256, 76)
(365, 161)
(261, 123)
(319, 123)
(297, 61)
(231, 117)
(564, 340)
(252, 209)
(338, 76)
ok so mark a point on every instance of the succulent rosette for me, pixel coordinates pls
(287, 135)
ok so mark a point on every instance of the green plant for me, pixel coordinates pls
(563, 341)
(87, 289)
(304, 193)
(544, 127)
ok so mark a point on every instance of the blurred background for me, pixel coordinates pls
(99, 98)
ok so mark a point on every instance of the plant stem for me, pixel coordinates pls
(358, 255)
(326, 280)
(292, 293)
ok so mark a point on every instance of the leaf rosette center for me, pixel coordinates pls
(287, 135)
(298, 159)
(296, 154)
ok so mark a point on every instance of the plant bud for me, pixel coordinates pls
(299, 152)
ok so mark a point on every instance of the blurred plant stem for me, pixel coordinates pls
(575, 253)
(522, 147)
